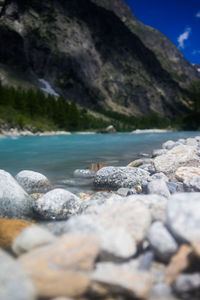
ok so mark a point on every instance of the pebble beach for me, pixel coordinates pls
(136, 237)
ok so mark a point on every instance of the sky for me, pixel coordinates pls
(179, 20)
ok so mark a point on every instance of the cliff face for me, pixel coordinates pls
(94, 52)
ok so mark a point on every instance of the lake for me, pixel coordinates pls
(58, 156)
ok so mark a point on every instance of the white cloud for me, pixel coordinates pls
(183, 37)
(198, 14)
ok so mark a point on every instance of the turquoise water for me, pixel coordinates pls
(58, 156)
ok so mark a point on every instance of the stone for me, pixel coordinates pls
(57, 204)
(186, 283)
(178, 156)
(133, 216)
(14, 201)
(169, 145)
(156, 205)
(96, 166)
(36, 196)
(158, 152)
(191, 142)
(63, 267)
(111, 279)
(196, 247)
(183, 216)
(9, 230)
(159, 176)
(179, 262)
(192, 184)
(15, 283)
(115, 242)
(173, 187)
(161, 291)
(161, 241)
(184, 173)
(139, 162)
(84, 173)
(33, 182)
(56, 227)
(30, 238)
(146, 260)
(124, 192)
(159, 187)
(110, 129)
(114, 178)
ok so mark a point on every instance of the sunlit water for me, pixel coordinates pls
(58, 156)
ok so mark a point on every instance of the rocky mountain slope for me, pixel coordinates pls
(94, 52)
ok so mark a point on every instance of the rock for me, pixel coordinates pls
(133, 216)
(173, 187)
(139, 162)
(55, 227)
(156, 204)
(36, 196)
(177, 157)
(184, 173)
(114, 178)
(146, 260)
(96, 166)
(192, 184)
(33, 182)
(63, 267)
(159, 187)
(9, 230)
(110, 279)
(110, 129)
(169, 145)
(84, 173)
(159, 176)
(161, 291)
(95, 204)
(149, 168)
(196, 247)
(161, 241)
(179, 262)
(57, 204)
(15, 283)
(191, 142)
(183, 216)
(185, 283)
(30, 238)
(124, 192)
(14, 201)
(115, 242)
(158, 152)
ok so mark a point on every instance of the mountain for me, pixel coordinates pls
(94, 52)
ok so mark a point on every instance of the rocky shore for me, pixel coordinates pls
(137, 237)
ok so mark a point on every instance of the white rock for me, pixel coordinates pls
(158, 187)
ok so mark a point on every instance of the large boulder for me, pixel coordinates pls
(114, 178)
(57, 204)
(14, 201)
(183, 216)
(14, 281)
(33, 182)
(178, 156)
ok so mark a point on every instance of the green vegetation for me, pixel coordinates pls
(191, 120)
(33, 108)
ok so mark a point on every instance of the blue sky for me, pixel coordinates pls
(179, 20)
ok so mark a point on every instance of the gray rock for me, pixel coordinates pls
(159, 187)
(185, 283)
(55, 227)
(126, 192)
(169, 145)
(173, 187)
(94, 204)
(57, 204)
(15, 283)
(114, 178)
(183, 216)
(158, 152)
(33, 182)
(115, 242)
(176, 157)
(156, 204)
(162, 241)
(84, 173)
(14, 201)
(148, 168)
(159, 176)
(30, 238)
(162, 291)
(192, 184)
(146, 260)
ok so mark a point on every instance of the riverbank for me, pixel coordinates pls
(137, 236)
